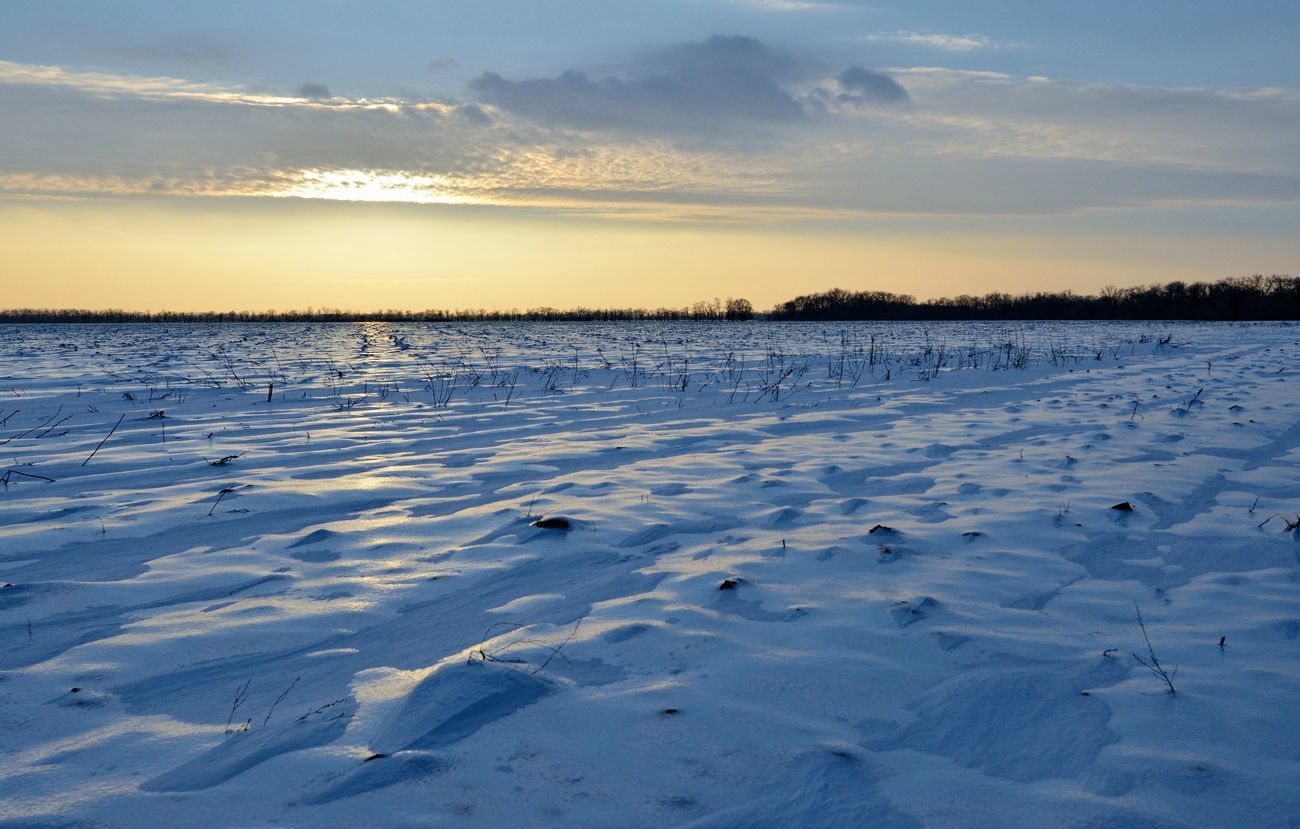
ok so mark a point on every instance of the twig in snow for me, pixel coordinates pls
(105, 440)
(278, 699)
(322, 709)
(7, 478)
(241, 694)
(222, 493)
(1153, 665)
(555, 651)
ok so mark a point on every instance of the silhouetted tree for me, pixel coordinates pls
(739, 309)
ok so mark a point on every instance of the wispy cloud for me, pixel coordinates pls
(935, 40)
(178, 89)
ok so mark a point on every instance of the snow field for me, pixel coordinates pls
(811, 575)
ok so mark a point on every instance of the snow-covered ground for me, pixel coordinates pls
(812, 575)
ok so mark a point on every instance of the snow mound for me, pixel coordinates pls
(243, 750)
(1022, 724)
(456, 700)
(826, 788)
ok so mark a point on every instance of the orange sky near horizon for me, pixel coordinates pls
(220, 254)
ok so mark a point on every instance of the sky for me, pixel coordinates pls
(506, 154)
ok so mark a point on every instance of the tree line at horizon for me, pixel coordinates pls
(1245, 298)
(1240, 298)
(715, 310)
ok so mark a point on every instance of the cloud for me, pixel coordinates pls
(474, 114)
(725, 85)
(721, 83)
(931, 40)
(169, 89)
(74, 142)
(144, 86)
(868, 86)
(970, 142)
(986, 115)
(1010, 185)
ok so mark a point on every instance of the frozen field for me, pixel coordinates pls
(812, 575)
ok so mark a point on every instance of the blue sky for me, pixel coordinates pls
(386, 47)
(932, 121)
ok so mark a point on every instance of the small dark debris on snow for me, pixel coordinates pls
(552, 523)
(1123, 506)
(728, 584)
(378, 756)
(670, 712)
(881, 528)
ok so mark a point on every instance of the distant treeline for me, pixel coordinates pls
(1238, 298)
(730, 309)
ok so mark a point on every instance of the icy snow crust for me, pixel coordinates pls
(840, 575)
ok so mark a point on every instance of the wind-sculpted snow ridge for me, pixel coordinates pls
(650, 575)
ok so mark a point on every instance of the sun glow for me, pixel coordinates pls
(375, 186)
